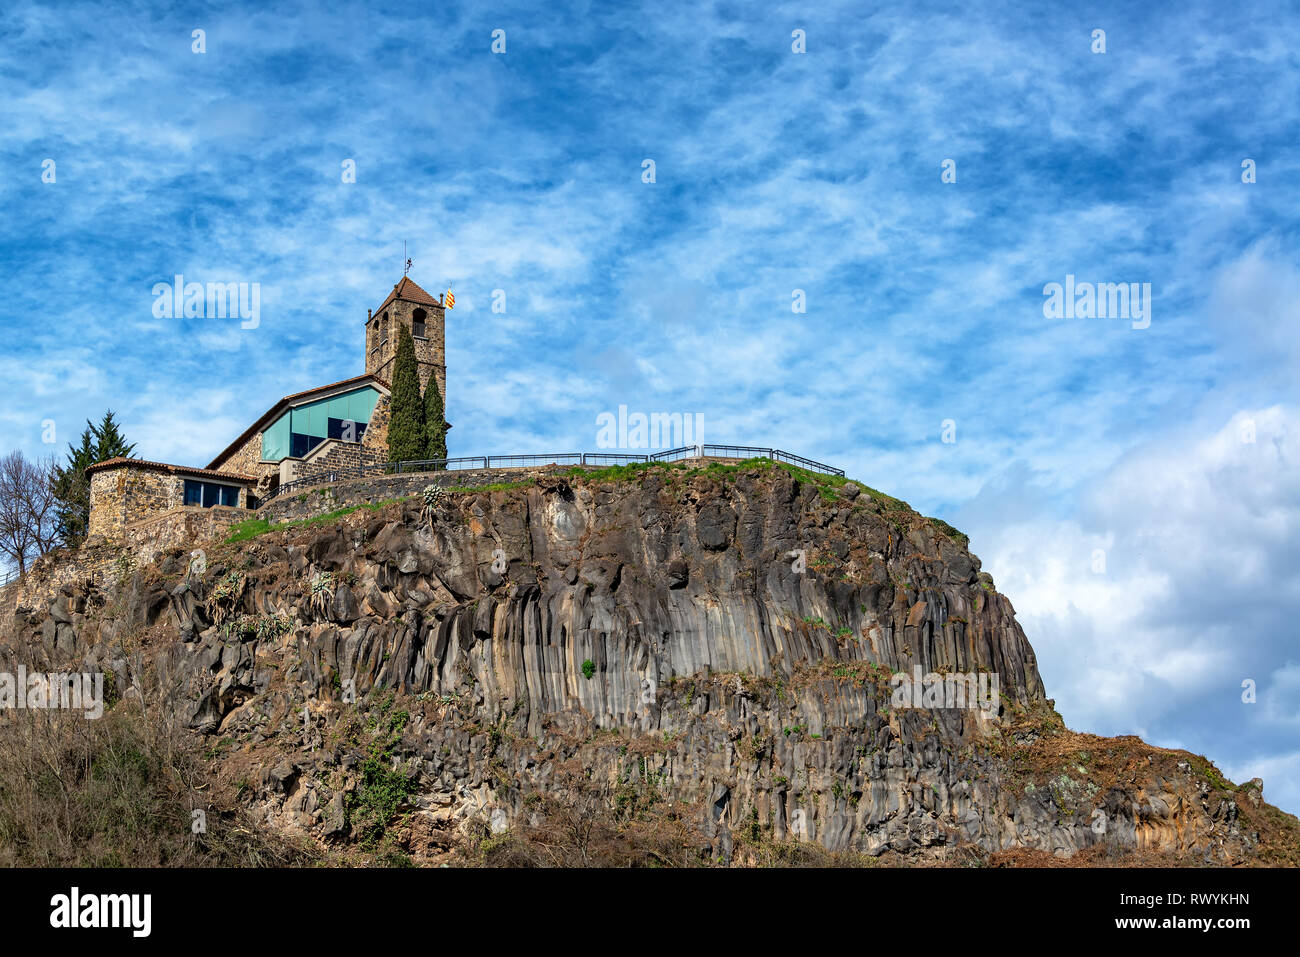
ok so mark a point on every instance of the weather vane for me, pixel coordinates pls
(407, 268)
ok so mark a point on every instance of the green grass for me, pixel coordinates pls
(829, 489)
(961, 538)
(253, 527)
(827, 485)
(249, 528)
(622, 473)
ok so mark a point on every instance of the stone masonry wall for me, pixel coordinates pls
(375, 439)
(327, 498)
(184, 527)
(247, 460)
(120, 496)
(334, 454)
(430, 349)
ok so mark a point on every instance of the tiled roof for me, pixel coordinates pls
(410, 291)
(119, 461)
(289, 399)
(335, 385)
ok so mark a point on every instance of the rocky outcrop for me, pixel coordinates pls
(722, 639)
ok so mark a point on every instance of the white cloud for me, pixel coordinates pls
(1201, 589)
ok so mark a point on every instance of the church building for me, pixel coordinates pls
(341, 424)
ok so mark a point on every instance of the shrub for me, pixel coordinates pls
(322, 592)
(117, 792)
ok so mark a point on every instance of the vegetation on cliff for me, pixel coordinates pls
(621, 667)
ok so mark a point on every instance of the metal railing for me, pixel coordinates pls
(525, 461)
(8, 578)
(438, 465)
(343, 473)
(776, 455)
(671, 455)
(735, 452)
(808, 464)
(613, 458)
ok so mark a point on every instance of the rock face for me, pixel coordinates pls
(724, 638)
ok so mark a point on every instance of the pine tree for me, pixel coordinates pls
(435, 426)
(109, 440)
(406, 417)
(71, 484)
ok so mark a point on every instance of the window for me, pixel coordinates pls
(347, 429)
(300, 429)
(300, 444)
(208, 494)
(417, 323)
(383, 330)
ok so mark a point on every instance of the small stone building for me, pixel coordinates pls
(125, 491)
(304, 434)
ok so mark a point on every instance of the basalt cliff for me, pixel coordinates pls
(671, 664)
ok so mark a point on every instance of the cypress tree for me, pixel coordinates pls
(71, 484)
(406, 419)
(435, 426)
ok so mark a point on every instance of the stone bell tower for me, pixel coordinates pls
(410, 306)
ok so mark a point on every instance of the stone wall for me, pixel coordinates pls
(332, 455)
(62, 568)
(120, 496)
(327, 498)
(247, 460)
(330, 496)
(99, 559)
(375, 439)
(182, 527)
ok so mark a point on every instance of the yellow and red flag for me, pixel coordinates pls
(450, 299)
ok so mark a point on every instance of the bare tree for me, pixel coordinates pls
(27, 509)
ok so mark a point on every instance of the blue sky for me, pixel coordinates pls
(775, 171)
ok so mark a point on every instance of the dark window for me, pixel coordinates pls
(347, 430)
(300, 445)
(208, 494)
(417, 323)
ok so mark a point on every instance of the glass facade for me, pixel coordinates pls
(208, 494)
(302, 428)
